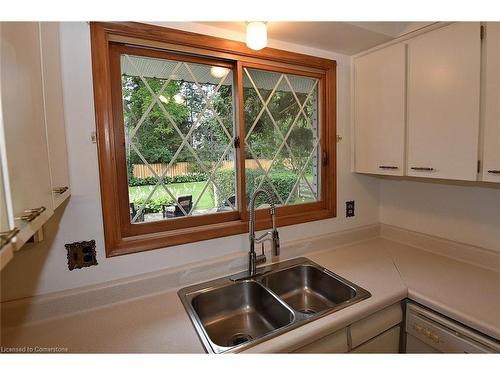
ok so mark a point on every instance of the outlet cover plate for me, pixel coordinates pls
(349, 209)
(81, 254)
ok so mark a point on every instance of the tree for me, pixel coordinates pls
(186, 104)
(265, 138)
(156, 138)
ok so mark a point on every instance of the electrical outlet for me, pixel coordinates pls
(349, 209)
(81, 254)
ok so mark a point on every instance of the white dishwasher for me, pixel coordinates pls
(429, 332)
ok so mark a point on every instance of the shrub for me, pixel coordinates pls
(225, 181)
(191, 177)
(283, 182)
(151, 180)
(154, 204)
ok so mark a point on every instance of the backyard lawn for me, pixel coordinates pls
(140, 193)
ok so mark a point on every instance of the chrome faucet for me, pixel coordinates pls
(272, 235)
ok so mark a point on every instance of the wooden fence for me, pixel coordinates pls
(182, 168)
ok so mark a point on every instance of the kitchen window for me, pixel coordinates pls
(189, 126)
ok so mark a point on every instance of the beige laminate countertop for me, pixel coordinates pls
(390, 271)
(461, 291)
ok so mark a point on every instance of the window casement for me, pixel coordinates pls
(189, 126)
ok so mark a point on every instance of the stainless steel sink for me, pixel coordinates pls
(235, 312)
(240, 312)
(308, 289)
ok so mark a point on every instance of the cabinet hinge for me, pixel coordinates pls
(482, 33)
(479, 166)
(236, 142)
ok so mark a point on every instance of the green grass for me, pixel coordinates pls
(177, 190)
(138, 194)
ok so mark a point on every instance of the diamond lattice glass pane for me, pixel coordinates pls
(255, 176)
(283, 174)
(301, 140)
(264, 139)
(220, 190)
(156, 139)
(253, 109)
(303, 87)
(307, 189)
(179, 129)
(282, 135)
(264, 82)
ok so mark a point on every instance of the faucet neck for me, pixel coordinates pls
(252, 211)
(253, 259)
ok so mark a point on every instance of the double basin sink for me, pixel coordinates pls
(235, 312)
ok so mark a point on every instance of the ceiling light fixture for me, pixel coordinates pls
(256, 35)
(178, 98)
(218, 71)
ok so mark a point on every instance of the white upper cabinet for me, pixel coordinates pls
(54, 111)
(379, 117)
(491, 157)
(443, 102)
(24, 127)
(7, 231)
(33, 145)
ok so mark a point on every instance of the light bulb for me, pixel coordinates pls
(178, 99)
(218, 71)
(256, 35)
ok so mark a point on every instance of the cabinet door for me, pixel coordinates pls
(6, 217)
(375, 324)
(379, 102)
(491, 158)
(443, 102)
(6, 230)
(54, 111)
(333, 343)
(24, 124)
(387, 342)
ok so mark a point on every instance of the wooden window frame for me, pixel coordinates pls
(107, 42)
(136, 229)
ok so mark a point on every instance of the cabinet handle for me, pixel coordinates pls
(387, 167)
(32, 214)
(428, 169)
(60, 190)
(494, 171)
(6, 237)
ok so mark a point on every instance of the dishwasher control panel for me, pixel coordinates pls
(440, 334)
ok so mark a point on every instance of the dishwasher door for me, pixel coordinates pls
(429, 332)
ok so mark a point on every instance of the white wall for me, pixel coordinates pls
(465, 213)
(43, 268)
